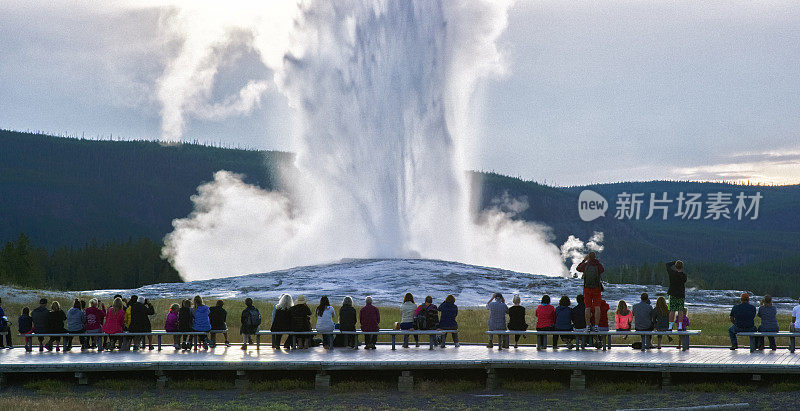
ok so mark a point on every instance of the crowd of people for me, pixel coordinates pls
(291, 318)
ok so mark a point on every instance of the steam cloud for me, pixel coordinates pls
(573, 250)
(381, 92)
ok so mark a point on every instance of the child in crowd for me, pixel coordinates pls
(623, 318)
(545, 320)
(25, 326)
(185, 322)
(4, 326)
(171, 324)
(683, 326)
(94, 323)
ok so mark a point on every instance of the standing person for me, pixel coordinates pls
(563, 321)
(115, 317)
(545, 320)
(39, 317)
(592, 271)
(795, 326)
(769, 322)
(449, 311)
(742, 318)
(407, 310)
(324, 319)
(497, 318)
(282, 321)
(301, 321)
(55, 325)
(25, 326)
(370, 318)
(676, 292)
(171, 324)
(347, 321)
(139, 322)
(251, 320)
(76, 324)
(218, 317)
(643, 319)
(185, 321)
(94, 323)
(202, 322)
(516, 318)
(660, 318)
(4, 327)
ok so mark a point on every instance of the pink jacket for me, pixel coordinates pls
(114, 320)
(623, 322)
(171, 324)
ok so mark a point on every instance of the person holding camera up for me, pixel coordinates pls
(676, 292)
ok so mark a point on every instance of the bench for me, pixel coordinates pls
(390, 332)
(605, 336)
(125, 336)
(754, 335)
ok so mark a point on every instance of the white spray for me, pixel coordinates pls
(381, 92)
(573, 250)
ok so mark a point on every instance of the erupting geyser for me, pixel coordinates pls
(381, 93)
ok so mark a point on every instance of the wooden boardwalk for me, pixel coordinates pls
(704, 360)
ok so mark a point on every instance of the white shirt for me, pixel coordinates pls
(796, 315)
(325, 322)
(407, 309)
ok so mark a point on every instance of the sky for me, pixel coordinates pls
(592, 92)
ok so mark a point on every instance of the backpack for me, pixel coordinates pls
(431, 319)
(253, 317)
(591, 276)
(421, 320)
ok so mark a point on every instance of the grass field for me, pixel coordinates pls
(471, 322)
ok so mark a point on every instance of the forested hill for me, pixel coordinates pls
(70, 192)
(62, 191)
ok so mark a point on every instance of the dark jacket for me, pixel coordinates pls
(448, 311)
(185, 319)
(643, 316)
(55, 322)
(347, 318)
(431, 314)
(677, 281)
(370, 318)
(744, 315)
(769, 320)
(301, 317)
(218, 316)
(39, 317)
(25, 324)
(140, 322)
(563, 318)
(579, 316)
(516, 318)
(282, 321)
(246, 328)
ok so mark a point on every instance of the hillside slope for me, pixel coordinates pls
(68, 192)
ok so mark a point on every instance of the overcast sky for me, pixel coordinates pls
(595, 91)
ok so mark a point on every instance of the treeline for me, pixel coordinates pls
(776, 277)
(114, 264)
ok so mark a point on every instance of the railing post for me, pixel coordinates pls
(241, 380)
(577, 381)
(491, 379)
(161, 379)
(405, 383)
(322, 381)
(666, 381)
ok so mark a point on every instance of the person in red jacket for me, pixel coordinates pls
(545, 320)
(592, 284)
(369, 317)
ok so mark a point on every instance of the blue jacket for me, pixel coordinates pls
(201, 320)
(563, 318)
(448, 311)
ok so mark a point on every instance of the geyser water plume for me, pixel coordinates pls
(381, 92)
